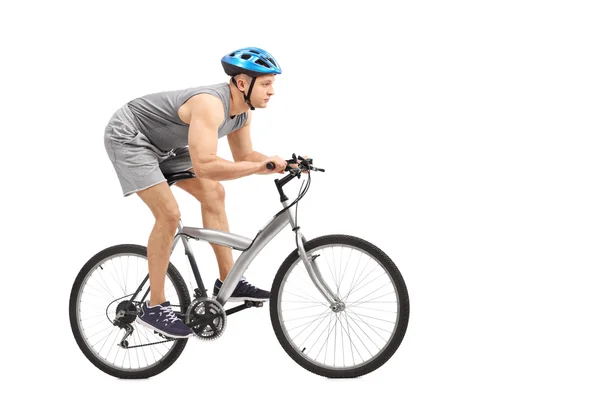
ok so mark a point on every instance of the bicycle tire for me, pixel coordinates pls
(180, 288)
(393, 272)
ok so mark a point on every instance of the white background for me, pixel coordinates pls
(460, 137)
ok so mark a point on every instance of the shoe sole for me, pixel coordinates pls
(147, 325)
(246, 298)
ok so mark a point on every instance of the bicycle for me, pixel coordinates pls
(305, 298)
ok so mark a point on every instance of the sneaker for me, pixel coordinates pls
(243, 291)
(162, 319)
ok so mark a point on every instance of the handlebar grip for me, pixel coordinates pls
(270, 165)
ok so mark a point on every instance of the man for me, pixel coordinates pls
(175, 131)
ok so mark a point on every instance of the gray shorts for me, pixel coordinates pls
(138, 163)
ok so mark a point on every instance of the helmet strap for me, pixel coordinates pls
(246, 96)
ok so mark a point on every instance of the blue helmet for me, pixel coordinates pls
(251, 61)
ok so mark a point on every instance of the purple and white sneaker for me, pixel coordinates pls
(162, 319)
(243, 291)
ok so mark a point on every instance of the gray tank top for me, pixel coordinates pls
(157, 116)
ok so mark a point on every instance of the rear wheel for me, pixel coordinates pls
(363, 330)
(102, 289)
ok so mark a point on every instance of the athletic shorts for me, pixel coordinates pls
(138, 163)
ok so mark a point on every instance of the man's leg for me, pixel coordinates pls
(211, 196)
(159, 198)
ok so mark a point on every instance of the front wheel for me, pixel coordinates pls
(359, 334)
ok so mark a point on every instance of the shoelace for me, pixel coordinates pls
(243, 280)
(169, 314)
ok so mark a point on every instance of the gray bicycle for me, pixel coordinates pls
(339, 305)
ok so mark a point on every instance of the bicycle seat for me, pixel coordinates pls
(179, 176)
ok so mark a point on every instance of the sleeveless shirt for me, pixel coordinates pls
(158, 120)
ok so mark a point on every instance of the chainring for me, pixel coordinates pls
(207, 318)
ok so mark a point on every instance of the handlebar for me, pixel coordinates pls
(303, 165)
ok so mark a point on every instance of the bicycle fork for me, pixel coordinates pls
(311, 266)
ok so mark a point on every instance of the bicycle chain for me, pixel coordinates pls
(150, 344)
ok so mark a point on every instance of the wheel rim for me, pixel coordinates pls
(349, 338)
(109, 282)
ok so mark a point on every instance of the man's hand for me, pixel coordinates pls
(279, 162)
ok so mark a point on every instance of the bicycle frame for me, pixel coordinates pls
(250, 249)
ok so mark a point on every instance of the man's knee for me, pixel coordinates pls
(212, 193)
(169, 215)
(162, 203)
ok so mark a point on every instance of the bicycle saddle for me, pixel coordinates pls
(179, 176)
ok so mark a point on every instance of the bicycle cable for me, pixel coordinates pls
(300, 196)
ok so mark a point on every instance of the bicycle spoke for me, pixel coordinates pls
(371, 300)
(363, 343)
(358, 280)
(324, 314)
(102, 331)
(368, 283)
(112, 275)
(358, 283)
(369, 325)
(335, 264)
(356, 269)
(128, 352)
(346, 268)
(303, 292)
(126, 274)
(316, 327)
(100, 275)
(301, 308)
(343, 355)
(105, 340)
(308, 316)
(353, 302)
(97, 323)
(306, 323)
(325, 342)
(328, 266)
(376, 309)
(379, 319)
(100, 292)
(335, 341)
(104, 285)
(319, 337)
(302, 297)
(112, 347)
(350, 338)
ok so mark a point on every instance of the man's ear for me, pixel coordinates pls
(240, 82)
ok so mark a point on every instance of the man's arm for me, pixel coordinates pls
(240, 145)
(206, 116)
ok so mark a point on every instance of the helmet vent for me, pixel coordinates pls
(254, 51)
(246, 56)
(261, 62)
(232, 54)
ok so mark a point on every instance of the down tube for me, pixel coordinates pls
(244, 260)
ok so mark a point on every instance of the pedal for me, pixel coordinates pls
(250, 303)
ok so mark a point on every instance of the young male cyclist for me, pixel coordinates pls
(176, 131)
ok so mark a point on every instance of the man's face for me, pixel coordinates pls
(262, 91)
